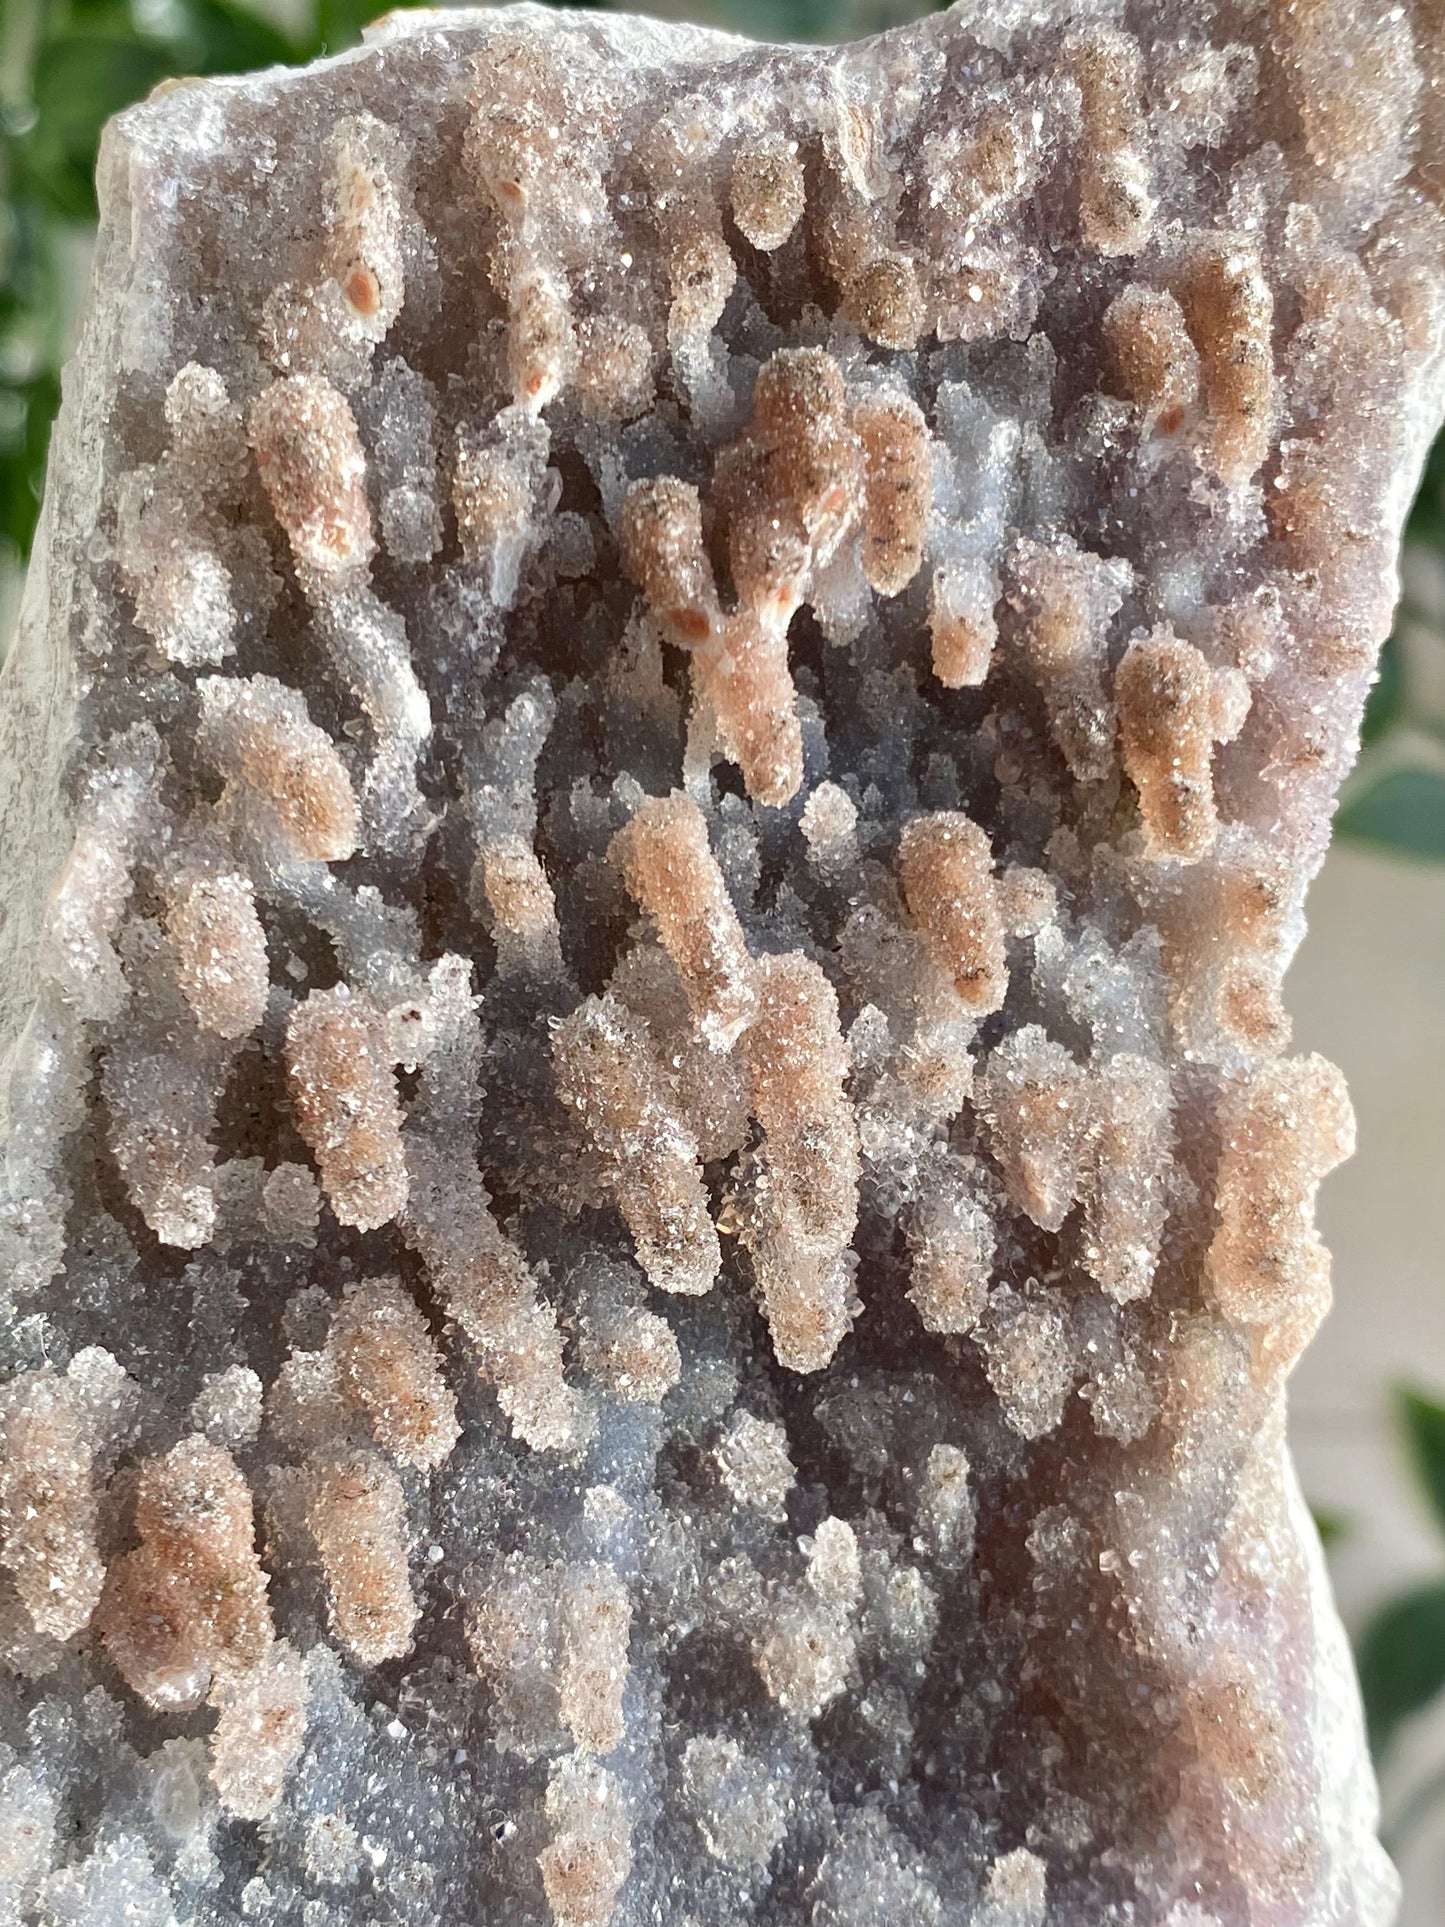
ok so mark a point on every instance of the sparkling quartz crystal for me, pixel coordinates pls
(673, 712)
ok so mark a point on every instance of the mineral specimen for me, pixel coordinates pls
(674, 709)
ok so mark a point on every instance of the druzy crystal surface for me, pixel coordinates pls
(673, 713)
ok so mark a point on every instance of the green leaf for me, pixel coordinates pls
(26, 412)
(1402, 1660)
(339, 22)
(1422, 1423)
(95, 16)
(219, 37)
(1402, 811)
(1332, 1526)
(1386, 700)
(79, 81)
(1427, 514)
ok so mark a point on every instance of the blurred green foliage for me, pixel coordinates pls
(1402, 1660)
(1402, 810)
(1401, 1651)
(1332, 1526)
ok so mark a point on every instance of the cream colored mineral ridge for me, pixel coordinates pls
(672, 714)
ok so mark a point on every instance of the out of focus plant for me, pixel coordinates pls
(1401, 1652)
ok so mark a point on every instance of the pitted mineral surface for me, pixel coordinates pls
(673, 714)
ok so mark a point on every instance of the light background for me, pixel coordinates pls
(1368, 990)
